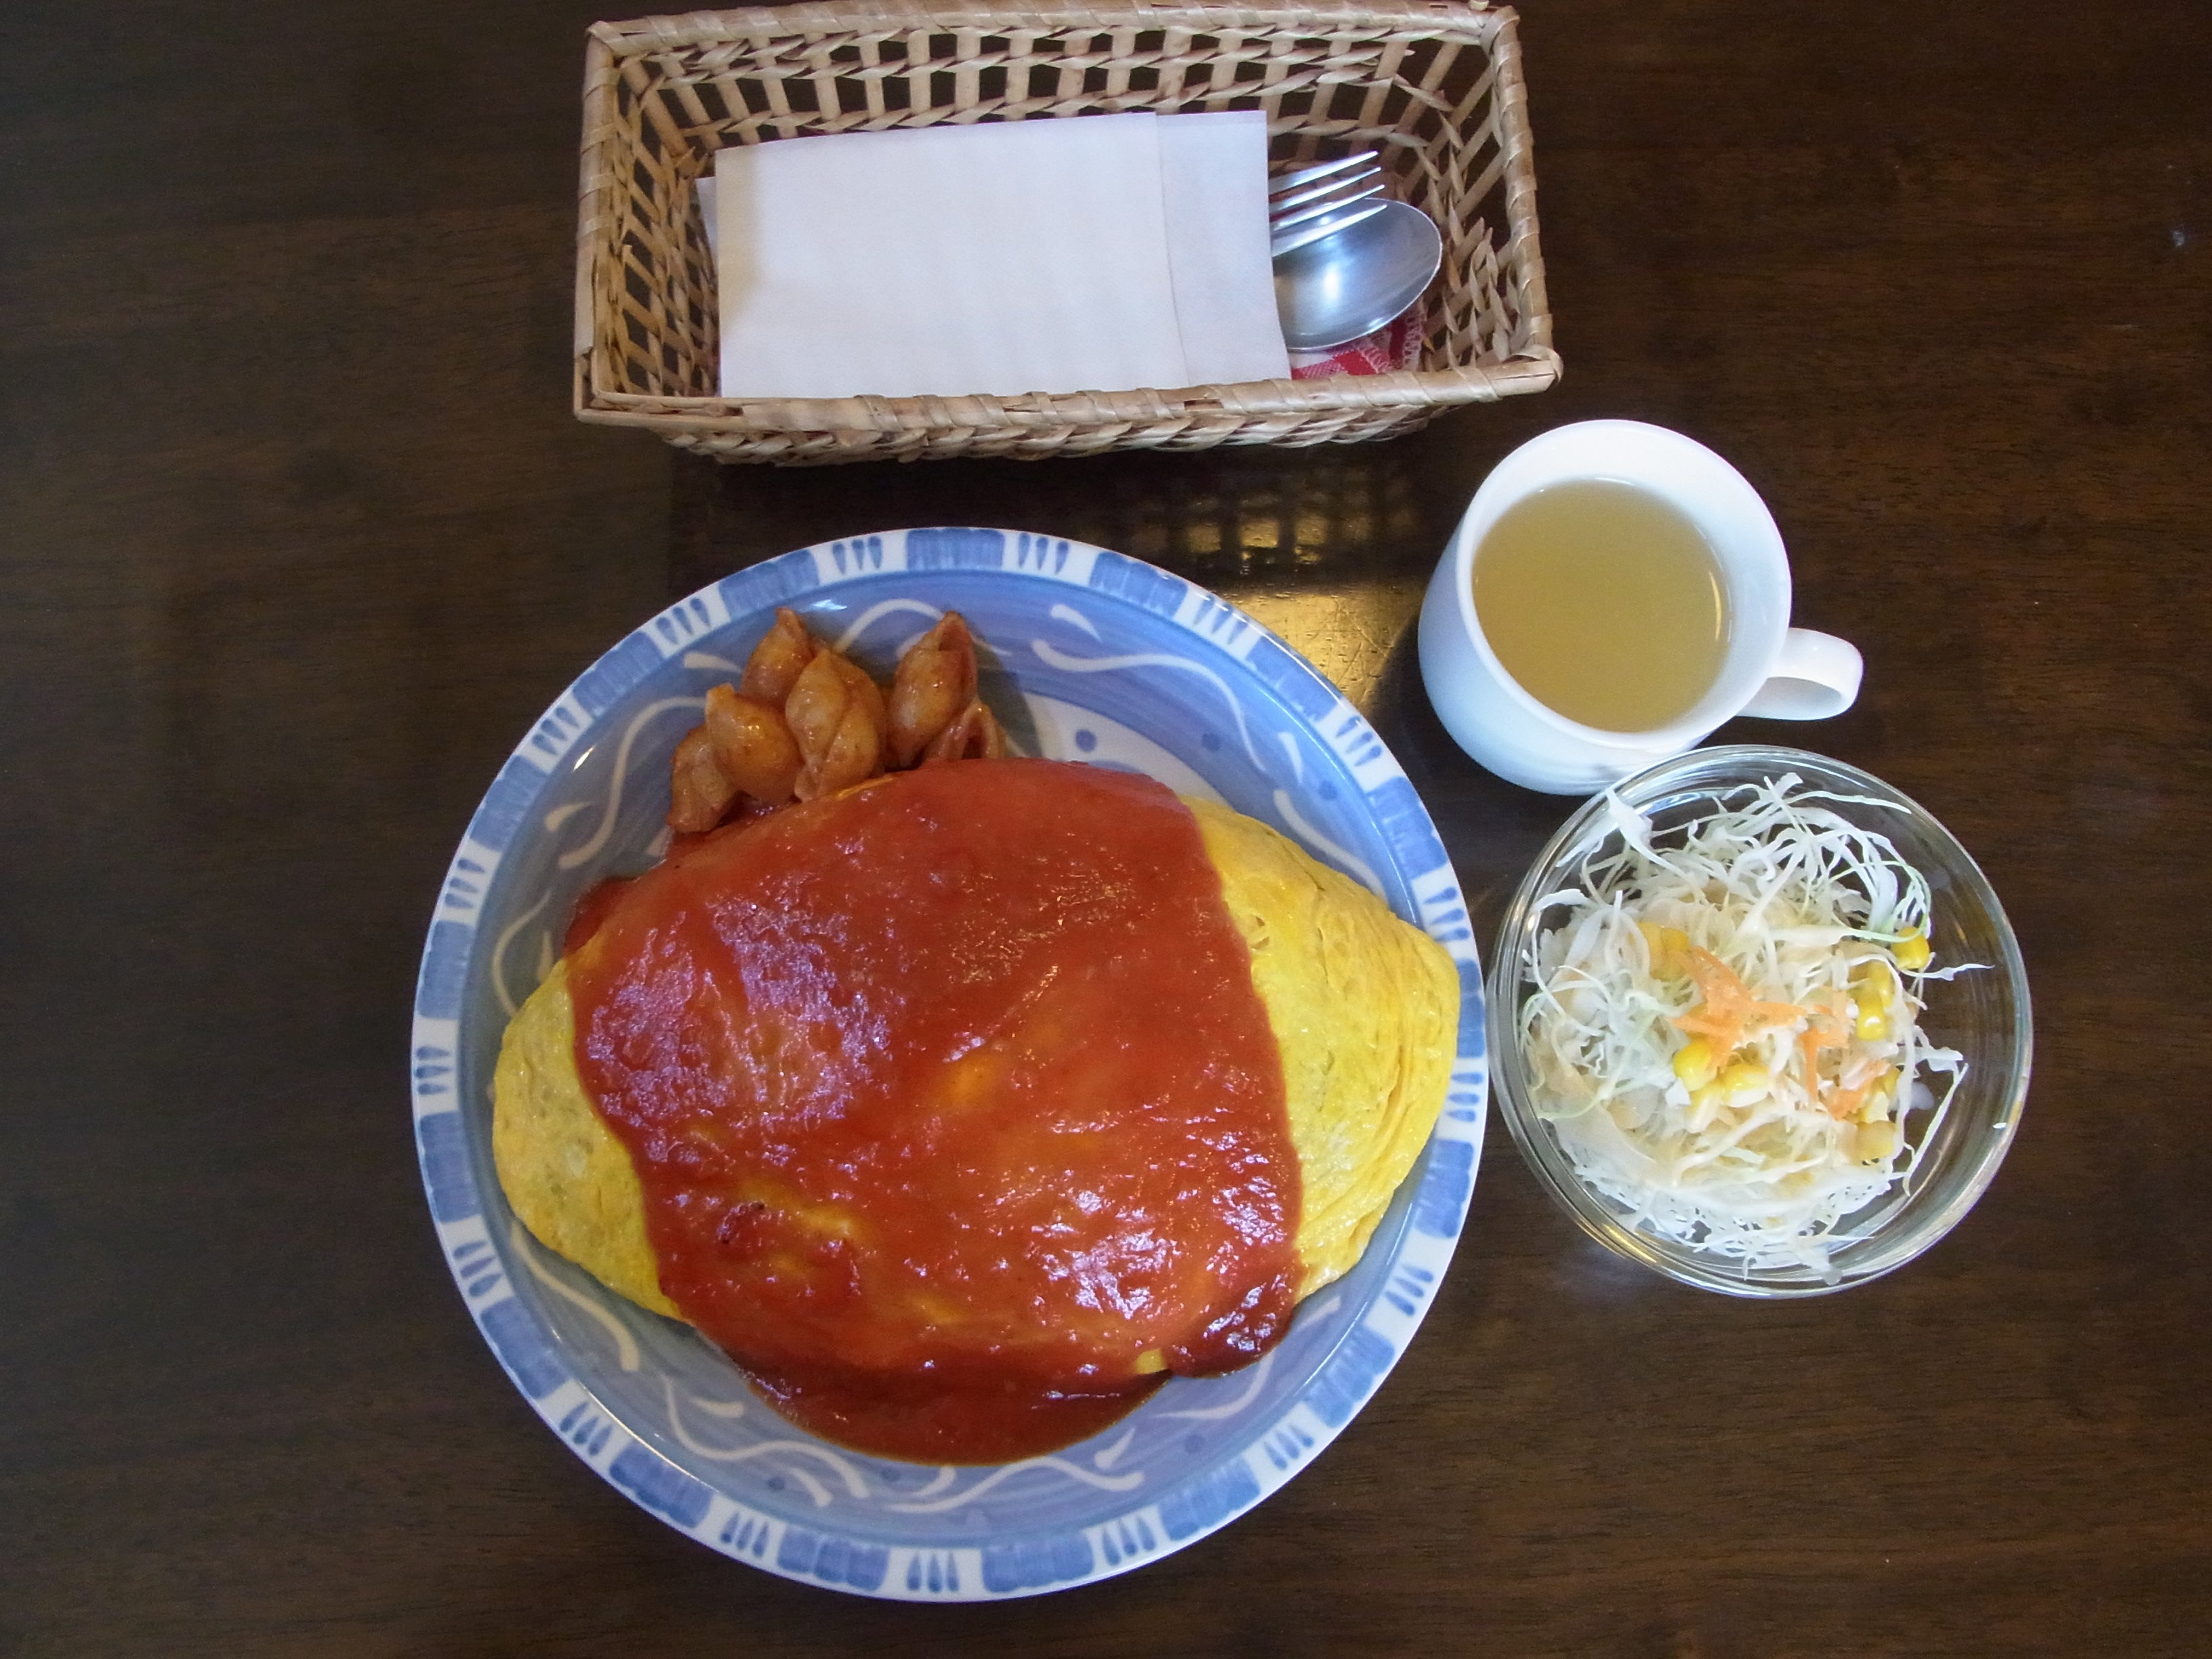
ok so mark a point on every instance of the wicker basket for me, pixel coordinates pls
(1437, 87)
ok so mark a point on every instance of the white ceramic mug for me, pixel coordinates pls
(1770, 669)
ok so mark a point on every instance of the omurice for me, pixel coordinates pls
(960, 1106)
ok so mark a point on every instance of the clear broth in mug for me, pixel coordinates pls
(1604, 602)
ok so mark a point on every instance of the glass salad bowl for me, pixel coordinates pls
(1637, 1191)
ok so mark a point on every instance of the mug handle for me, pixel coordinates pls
(1816, 675)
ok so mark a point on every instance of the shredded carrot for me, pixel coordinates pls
(1729, 1015)
(1825, 1029)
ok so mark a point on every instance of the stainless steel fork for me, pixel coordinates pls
(1317, 201)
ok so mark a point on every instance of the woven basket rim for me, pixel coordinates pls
(1534, 366)
(636, 35)
(1401, 388)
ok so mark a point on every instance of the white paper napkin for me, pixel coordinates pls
(1098, 253)
(1214, 175)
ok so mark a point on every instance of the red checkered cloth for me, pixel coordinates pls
(1397, 346)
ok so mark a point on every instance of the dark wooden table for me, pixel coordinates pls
(296, 535)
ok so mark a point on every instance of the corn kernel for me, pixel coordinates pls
(1667, 947)
(1744, 1082)
(1876, 1141)
(1874, 1104)
(1694, 1063)
(1911, 951)
(1870, 994)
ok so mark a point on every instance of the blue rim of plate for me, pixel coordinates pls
(1147, 664)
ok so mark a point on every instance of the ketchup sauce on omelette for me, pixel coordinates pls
(956, 1116)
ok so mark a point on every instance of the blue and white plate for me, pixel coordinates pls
(1089, 656)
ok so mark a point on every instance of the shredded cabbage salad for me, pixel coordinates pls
(1724, 1029)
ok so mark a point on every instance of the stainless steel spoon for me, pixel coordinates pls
(1330, 291)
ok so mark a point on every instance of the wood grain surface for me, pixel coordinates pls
(297, 534)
